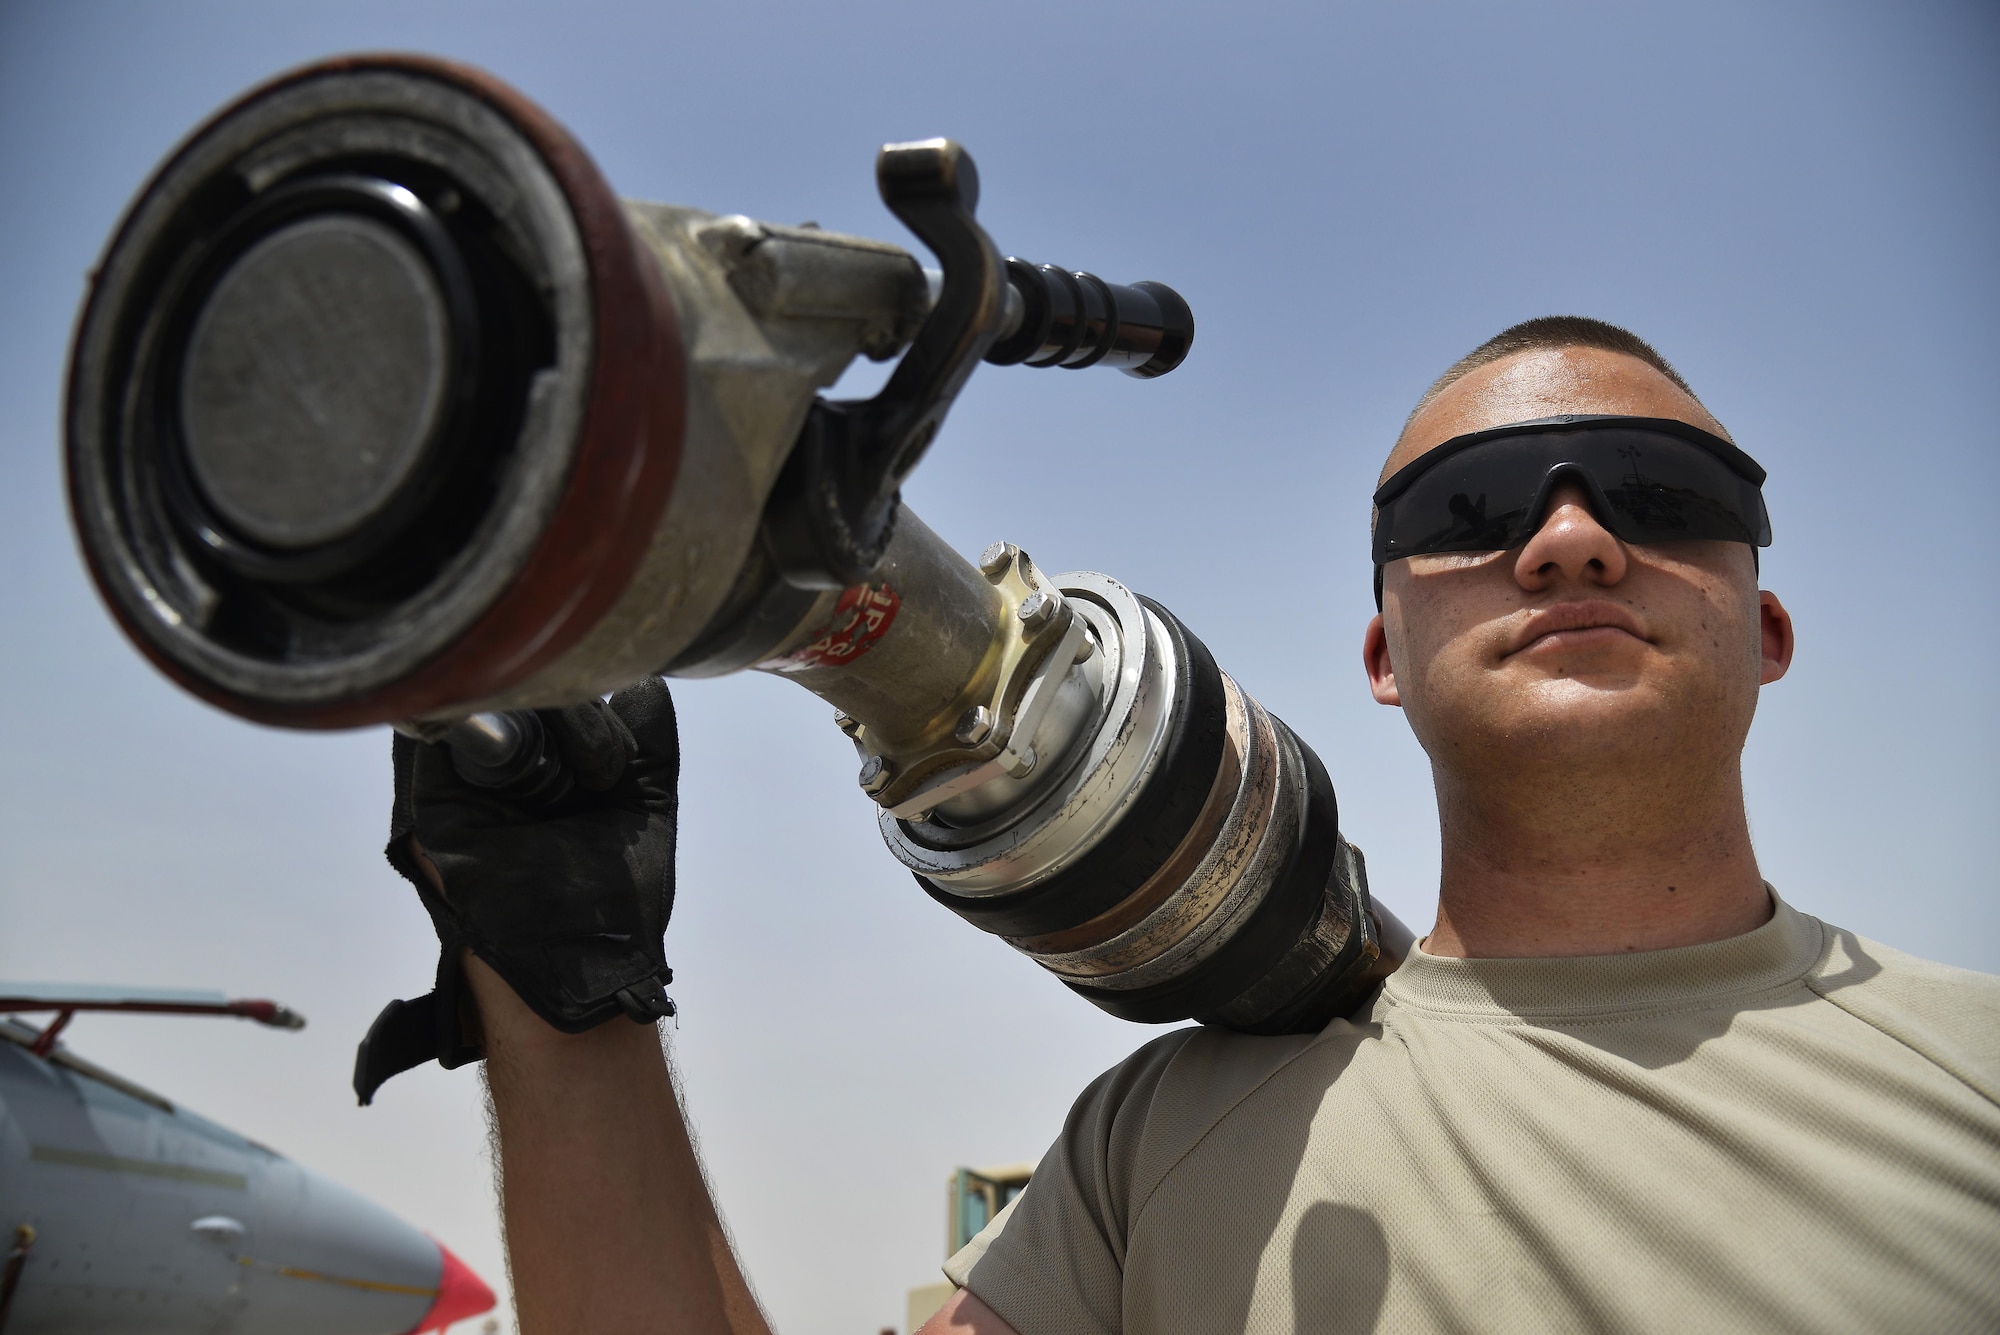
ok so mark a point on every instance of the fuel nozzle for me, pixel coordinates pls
(384, 408)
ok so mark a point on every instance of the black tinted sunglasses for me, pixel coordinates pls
(1649, 479)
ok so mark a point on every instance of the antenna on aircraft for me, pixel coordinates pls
(66, 999)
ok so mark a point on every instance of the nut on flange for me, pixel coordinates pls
(1036, 611)
(876, 772)
(975, 725)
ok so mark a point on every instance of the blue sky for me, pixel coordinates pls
(1795, 202)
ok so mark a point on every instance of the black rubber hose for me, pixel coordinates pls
(1289, 909)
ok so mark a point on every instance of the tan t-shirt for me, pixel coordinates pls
(1792, 1130)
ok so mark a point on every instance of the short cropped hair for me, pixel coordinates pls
(1548, 331)
(1551, 331)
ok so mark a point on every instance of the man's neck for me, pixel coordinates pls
(1603, 876)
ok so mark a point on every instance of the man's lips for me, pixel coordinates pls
(1575, 625)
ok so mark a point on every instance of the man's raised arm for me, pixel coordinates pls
(610, 1226)
(550, 920)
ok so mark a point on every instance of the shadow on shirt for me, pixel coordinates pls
(1340, 1270)
(1674, 1034)
(1229, 1179)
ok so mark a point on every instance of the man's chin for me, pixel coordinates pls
(1583, 686)
(1599, 716)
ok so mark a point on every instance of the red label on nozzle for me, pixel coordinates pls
(861, 617)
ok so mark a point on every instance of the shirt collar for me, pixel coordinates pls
(1579, 987)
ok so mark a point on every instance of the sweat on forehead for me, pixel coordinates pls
(1536, 379)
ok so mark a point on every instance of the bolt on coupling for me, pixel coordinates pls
(1036, 611)
(875, 775)
(974, 726)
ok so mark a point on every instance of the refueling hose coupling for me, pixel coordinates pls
(1185, 857)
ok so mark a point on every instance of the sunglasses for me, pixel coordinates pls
(1649, 479)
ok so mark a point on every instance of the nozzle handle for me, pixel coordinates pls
(1074, 319)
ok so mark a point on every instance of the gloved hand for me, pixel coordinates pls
(567, 905)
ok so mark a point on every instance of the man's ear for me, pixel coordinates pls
(1375, 657)
(1776, 625)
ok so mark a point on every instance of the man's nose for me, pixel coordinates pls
(1570, 545)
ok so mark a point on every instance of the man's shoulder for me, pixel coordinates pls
(1945, 1013)
(1157, 1105)
(1200, 1072)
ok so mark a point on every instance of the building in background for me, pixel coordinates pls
(973, 1197)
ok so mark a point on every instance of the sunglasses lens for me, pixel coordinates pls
(1477, 500)
(1646, 486)
(1665, 490)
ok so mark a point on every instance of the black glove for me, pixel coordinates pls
(567, 905)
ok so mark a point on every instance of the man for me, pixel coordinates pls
(1620, 1085)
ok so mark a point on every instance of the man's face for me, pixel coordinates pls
(1575, 651)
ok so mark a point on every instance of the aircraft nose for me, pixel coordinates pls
(460, 1294)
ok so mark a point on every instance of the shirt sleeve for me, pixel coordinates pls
(1053, 1262)
(960, 1265)
(1949, 1015)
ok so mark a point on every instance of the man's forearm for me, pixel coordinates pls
(965, 1314)
(610, 1226)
